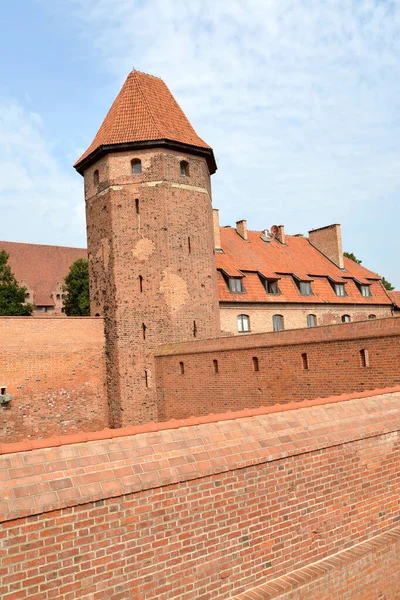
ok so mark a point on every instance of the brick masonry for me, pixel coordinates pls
(55, 370)
(207, 510)
(214, 376)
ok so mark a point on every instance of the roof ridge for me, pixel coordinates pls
(146, 101)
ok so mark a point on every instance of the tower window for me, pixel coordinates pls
(194, 329)
(255, 364)
(144, 330)
(364, 358)
(311, 321)
(58, 296)
(96, 177)
(146, 379)
(277, 323)
(136, 164)
(184, 168)
(346, 319)
(181, 368)
(137, 206)
(189, 246)
(215, 365)
(304, 361)
(243, 323)
(140, 283)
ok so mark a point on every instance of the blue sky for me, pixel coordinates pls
(300, 100)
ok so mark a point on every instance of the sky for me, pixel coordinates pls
(300, 100)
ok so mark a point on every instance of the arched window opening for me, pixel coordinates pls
(96, 315)
(255, 364)
(181, 368)
(371, 316)
(144, 330)
(140, 283)
(311, 321)
(137, 206)
(136, 165)
(58, 296)
(346, 319)
(243, 323)
(184, 168)
(277, 323)
(364, 357)
(194, 329)
(96, 177)
(304, 360)
(215, 364)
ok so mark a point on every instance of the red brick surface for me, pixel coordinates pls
(333, 355)
(207, 511)
(54, 369)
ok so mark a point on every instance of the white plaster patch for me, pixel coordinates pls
(143, 249)
(174, 289)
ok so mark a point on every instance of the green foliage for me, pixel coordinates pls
(12, 296)
(386, 284)
(76, 289)
(352, 257)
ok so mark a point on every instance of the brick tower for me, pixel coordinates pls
(150, 238)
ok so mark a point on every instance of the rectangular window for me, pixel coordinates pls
(236, 285)
(305, 288)
(311, 321)
(277, 322)
(340, 290)
(365, 291)
(271, 287)
(243, 323)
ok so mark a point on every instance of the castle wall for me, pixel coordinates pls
(55, 370)
(209, 508)
(213, 376)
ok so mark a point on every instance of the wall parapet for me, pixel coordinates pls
(47, 479)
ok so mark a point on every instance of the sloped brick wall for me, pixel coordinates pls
(204, 511)
(54, 369)
(213, 376)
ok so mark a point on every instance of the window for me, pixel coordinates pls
(243, 323)
(58, 297)
(311, 321)
(339, 289)
(256, 366)
(184, 168)
(346, 319)
(194, 329)
(215, 365)
(43, 309)
(140, 283)
(271, 287)
(189, 246)
(365, 291)
(371, 316)
(146, 379)
(63, 311)
(96, 177)
(304, 361)
(277, 322)
(144, 330)
(364, 358)
(181, 368)
(27, 295)
(304, 287)
(236, 285)
(136, 164)
(137, 205)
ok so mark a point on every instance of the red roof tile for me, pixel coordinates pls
(394, 295)
(41, 268)
(296, 257)
(144, 110)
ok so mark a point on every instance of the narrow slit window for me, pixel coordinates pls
(194, 329)
(136, 165)
(364, 357)
(304, 360)
(144, 330)
(146, 379)
(184, 168)
(255, 364)
(96, 177)
(181, 368)
(137, 206)
(215, 364)
(140, 283)
(189, 245)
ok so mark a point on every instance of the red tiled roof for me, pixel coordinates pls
(41, 267)
(394, 295)
(298, 257)
(144, 110)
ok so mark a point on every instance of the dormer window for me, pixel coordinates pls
(271, 287)
(236, 285)
(339, 289)
(184, 168)
(136, 164)
(365, 291)
(304, 287)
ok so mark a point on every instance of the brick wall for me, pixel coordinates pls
(209, 510)
(54, 369)
(214, 376)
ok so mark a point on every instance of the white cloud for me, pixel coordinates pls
(299, 98)
(39, 202)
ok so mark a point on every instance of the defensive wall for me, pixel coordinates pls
(55, 370)
(249, 371)
(292, 502)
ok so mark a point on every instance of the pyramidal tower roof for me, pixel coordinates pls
(145, 114)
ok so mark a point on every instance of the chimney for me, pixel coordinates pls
(241, 228)
(328, 240)
(281, 234)
(217, 233)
